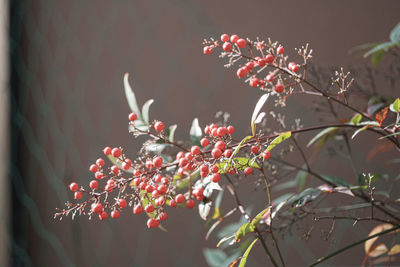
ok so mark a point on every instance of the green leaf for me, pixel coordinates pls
(305, 197)
(380, 47)
(257, 109)
(117, 162)
(214, 257)
(244, 140)
(239, 163)
(244, 230)
(356, 119)
(259, 216)
(246, 254)
(367, 125)
(130, 97)
(322, 133)
(395, 107)
(395, 34)
(195, 132)
(377, 57)
(337, 181)
(282, 137)
(145, 110)
(223, 240)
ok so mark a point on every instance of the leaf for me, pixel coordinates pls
(204, 209)
(356, 119)
(378, 229)
(395, 106)
(395, 34)
(377, 57)
(337, 181)
(322, 133)
(243, 231)
(380, 47)
(260, 117)
(259, 216)
(244, 140)
(282, 137)
(171, 132)
(233, 264)
(210, 187)
(130, 97)
(195, 132)
(305, 197)
(223, 240)
(212, 228)
(377, 250)
(380, 117)
(239, 163)
(394, 250)
(156, 147)
(145, 110)
(257, 109)
(118, 163)
(367, 125)
(246, 254)
(214, 257)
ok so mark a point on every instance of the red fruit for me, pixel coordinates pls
(198, 191)
(99, 175)
(232, 171)
(241, 43)
(149, 164)
(115, 214)
(142, 185)
(214, 169)
(269, 59)
(204, 168)
(293, 67)
(214, 132)
(94, 184)
(78, 195)
(107, 151)
(93, 168)
(116, 152)
(162, 189)
(207, 50)
(149, 188)
(160, 201)
(250, 65)
(152, 223)
(234, 38)
(100, 162)
(179, 198)
(137, 209)
(195, 150)
(255, 149)
(162, 216)
(266, 154)
(122, 203)
(248, 170)
(204, 142)
(231, 129)
(183, 162)
(270, 78)
(73, 186)
(188, 156)
(261, 62)
(279, 88)
(136, 181)
(222, 131)
(164, 180)
(207, 130)
(132, 116)
(224, 37)
(254, 82)
(114, 169)
(157, 162)
(97, 208)
(241, 72)
(126, 166)
(149, 208)
(213, 126)
(220, 145)
(180, 155)
(228, 153)
(280, 50)
(103, 216)
(227, 46)
(155, 193)
(190, 203)
(216, 153)
(159, 126)
(172, 203)
(200, 198)
(216, 177)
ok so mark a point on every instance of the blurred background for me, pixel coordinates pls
(62, 100)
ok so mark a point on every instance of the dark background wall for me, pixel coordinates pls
(68, 60)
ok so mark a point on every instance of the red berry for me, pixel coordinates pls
(73, 186)
(195, 150)
(214, 132)
(157, 162)
(149, 208)
(183, 162)
(107, 151)
(220, 145)
(93, 168)
(241, 43)
(204, 168)
(122, 203)
(149, 188)
(97, 208)
(266, 154)
(126, 166)
(159, 126)
(149, 164)
(152, 223)
(98, 175)
(172, 203)
(115, 169)
(216, 153)
(142, 185)
(190, 203)
(270, 78)
(115, 214)
(234, 38)
(198, 191)
(231, 129)
(224, 37)
(162, 189)
(160, 201)
(293, 67)
(155, 193)
(207, 130)
(255, 149)
(250, 65)
(162, 216)
(116, 152)
(228, 153)
(254, 82)
(137, 209)
(280, 50)
(207, 50)
(132, 116)
(179, 198)
(103, 216)
(78, 195)
(279, 88)
(94, 184)
(204, 142)
(164, 180)
(100, 162)
(216, 177)
(214, 169)
(269, 59)
(261, 62)
(248, 170)
(227, 46)
(241, 72)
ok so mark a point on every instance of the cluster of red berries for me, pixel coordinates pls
(273, 57)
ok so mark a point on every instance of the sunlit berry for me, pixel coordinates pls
(172, 203)
(114, 169)
(270, 78)
(126, 166)
(152, 223)
(122, 203)
(214, 169)
(216, 177)
(107, 151)
(94, 184)
(116, 152)
(180, 155)
(250, 65)
(269, 59)
(293, 67)
(204, 142)
(216, 153)
(227, 46)
(97, 208)
(266, 154)
(149, 188)
(162, 216)
(231, 129)
(254, 82)
(220, 145)
(103, 216)
(255, 149)
(99, 175)
(228, 153)
(132, 116)
(278, 88)
(190, 203)
(241, 43)
(115, 214)
(149, 208)
(155, 193)
(179, 198)
(100, 162)
(137, 209)
(183, 162)
(159, 126)
(149, 164)
(248, 170)
(280, 50)
(73, 186)
(234, 38)
(241, 72)
(78, 195)
(207, 50)
(195, 150)
(93, 168)
(261, 62)
(157, 162)
(224, 37)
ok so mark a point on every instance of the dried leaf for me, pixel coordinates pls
(381, 115)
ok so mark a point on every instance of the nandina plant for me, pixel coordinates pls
(168, 173)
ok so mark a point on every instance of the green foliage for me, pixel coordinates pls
(239, 163)
(323, 135)
(282, 137)
(246, 254)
